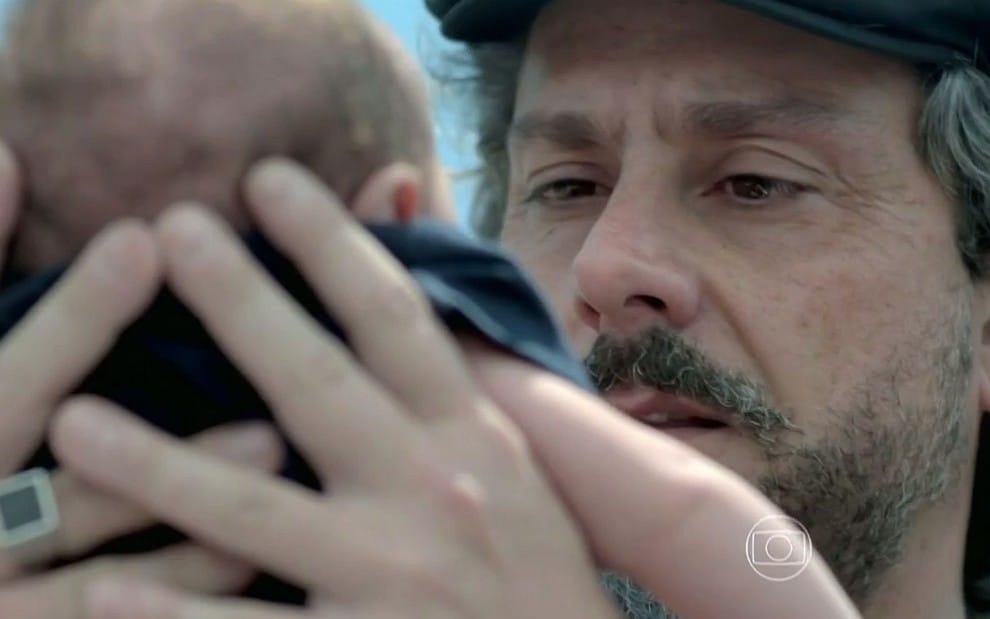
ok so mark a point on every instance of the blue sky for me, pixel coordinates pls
(409, 18)
(421, 35)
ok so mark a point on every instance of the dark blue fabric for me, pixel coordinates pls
(166, 369)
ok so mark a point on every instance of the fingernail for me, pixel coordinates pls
(8, 161)
(117, 249)
(274, 178)
(279, 184)
(93, 427)
(248, 443)
(10, 183)
(190, 233)
(89, 439)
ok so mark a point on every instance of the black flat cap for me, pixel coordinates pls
(921, 31)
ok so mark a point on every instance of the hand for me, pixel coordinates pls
(436, 509)
(678, 522)
(43, 359)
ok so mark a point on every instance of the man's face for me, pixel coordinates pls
(732, 211)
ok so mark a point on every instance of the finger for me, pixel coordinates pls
(90, 516)
(261, 519)
(342, 421)
(278, 526)
(692, 515)
(386, 316)
(10, 199)
(61, 594)
(62, 338)
(127, 599)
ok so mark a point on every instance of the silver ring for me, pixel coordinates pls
(29, 519)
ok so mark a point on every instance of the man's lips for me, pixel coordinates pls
(666, 411)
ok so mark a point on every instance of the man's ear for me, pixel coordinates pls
(393, 194)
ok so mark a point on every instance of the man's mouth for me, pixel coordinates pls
(672, 420)
(678, 415)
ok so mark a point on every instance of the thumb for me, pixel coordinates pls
(10, 199)
(651, 507)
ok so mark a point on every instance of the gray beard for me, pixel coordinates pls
(634, 601)
(858, 489)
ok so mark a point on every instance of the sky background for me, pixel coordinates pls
(421, 35)
(419, 32)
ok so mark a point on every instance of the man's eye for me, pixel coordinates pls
(754, 189)
(564, 190)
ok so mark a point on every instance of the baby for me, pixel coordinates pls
(121, 107)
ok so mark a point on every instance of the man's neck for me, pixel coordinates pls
(927, 583)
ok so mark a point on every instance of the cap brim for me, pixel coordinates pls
(860, 36)
(478, 21)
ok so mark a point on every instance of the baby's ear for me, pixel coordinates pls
(393, 194)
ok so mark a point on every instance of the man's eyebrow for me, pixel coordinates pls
(578, 131)
(722, 118)
(569, 130)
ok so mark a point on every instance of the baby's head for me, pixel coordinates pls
(121, 107)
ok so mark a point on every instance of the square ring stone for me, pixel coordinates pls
(28, 513)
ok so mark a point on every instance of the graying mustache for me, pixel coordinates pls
(655, 362)
(665, 361)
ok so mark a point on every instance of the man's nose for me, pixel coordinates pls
(630, 275)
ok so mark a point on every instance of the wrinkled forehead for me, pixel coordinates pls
(702, 48)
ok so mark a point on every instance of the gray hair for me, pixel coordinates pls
(954, 138)
(485, 77)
